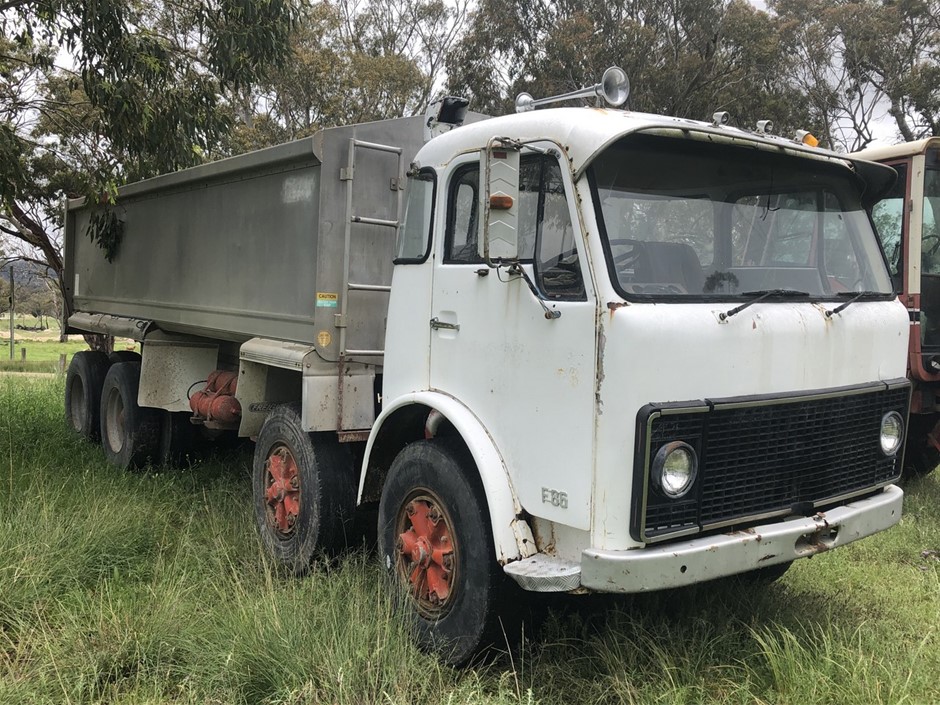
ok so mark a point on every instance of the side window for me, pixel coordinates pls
(463, 203)
(415, 234)
(462, 206)
(888, 217)
(557, 265)
(930, 240)
(545, 231)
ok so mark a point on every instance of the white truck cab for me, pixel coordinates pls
(663, 385)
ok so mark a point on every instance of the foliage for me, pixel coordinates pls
(859, 60)
(351, 62)
(835, 67)
(94, 95)
(145, 95)
(156, 72)
(689, 58)
(106, 230)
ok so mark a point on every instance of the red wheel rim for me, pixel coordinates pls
(427, 553)
(282, 490)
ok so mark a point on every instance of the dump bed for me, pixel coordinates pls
(256, 245)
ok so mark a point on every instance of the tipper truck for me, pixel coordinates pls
(581, 349)
(907, 220)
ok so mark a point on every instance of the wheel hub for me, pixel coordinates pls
(426, 553)
(282, 490)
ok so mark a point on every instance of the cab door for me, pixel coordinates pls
(529, 378)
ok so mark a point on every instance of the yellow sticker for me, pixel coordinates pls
(324, 338)
(327, 300)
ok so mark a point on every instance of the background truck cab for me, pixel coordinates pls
(908, 222)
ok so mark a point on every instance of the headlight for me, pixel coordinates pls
(674, 469)
(892, 432)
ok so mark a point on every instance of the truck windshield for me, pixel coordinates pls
(686, 220)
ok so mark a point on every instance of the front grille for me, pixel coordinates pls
(761, 457)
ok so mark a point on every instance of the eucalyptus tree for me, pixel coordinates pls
(142, 91)
(863, 60)
(684, 57)
(351, 61)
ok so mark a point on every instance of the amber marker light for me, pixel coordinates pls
(500, 202)
(807, 138)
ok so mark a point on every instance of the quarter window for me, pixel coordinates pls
(415, 234)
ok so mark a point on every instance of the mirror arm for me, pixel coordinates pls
(517, 269)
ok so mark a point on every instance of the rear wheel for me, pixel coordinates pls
(436, 544)
(123, 356)
(304, 490)
(129, 433)
(83, 383)
(177, 438)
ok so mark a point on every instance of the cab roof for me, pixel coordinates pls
(584, 132)
(898, 151)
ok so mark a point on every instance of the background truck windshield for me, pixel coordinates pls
(687, 219)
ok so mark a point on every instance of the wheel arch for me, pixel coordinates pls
(426, 414)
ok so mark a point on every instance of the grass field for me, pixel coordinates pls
(151, 588)
(42, 347)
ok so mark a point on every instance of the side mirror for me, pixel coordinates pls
(499, 203)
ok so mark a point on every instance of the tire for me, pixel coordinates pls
(83, 383)
(920, 457)
(129, 433)
(123, 356)
(177, 439)
(304, 488)
(436, 480)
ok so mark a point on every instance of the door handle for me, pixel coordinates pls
(438, 324)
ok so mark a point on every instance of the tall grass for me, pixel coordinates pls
(152, 588)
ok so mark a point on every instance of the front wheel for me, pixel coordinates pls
(436, 543)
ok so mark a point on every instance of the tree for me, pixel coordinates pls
(145, 96)
(860, 59)
(684, 57)
(351, 61)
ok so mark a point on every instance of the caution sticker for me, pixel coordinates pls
(326, 300)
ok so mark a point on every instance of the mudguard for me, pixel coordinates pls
(512, 536)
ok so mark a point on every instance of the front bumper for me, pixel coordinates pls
(687, 562)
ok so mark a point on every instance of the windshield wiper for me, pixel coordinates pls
(760, 296)
(856, 295)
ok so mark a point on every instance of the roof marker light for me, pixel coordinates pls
(804, 137)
